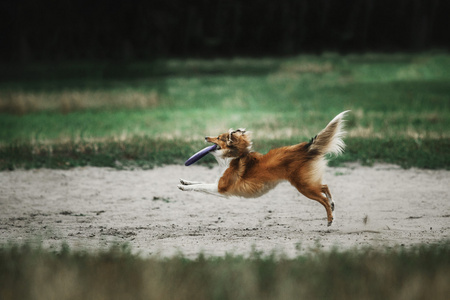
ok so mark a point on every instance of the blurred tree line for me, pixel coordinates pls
(42, 30)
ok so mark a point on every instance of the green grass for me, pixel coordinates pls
(160, 111)
(147, 153)
(419, 272)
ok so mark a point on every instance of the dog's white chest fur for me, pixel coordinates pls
(224, 164)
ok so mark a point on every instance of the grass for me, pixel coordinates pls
(419, 272)
(127, 113)
(147, 153)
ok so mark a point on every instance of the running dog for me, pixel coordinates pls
(250, 174)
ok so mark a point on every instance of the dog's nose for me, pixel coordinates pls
(206, 138)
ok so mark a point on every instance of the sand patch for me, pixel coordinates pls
(92, 208)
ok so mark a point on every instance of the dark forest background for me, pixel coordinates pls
(48, 30)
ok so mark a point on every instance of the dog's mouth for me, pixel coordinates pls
(217, 145)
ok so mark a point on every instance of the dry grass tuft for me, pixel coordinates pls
(19, 102)
(67, 101)
(294, 70)
(307, 67)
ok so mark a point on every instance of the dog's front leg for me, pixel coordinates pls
(207, 188)
(188, 182)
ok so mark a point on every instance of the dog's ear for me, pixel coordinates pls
(230, 136)
(232, 133)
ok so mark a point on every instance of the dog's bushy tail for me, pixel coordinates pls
(329, 140)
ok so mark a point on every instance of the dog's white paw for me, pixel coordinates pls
(187, 182)
(182, 187)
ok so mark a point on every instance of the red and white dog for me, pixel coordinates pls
(250, 174)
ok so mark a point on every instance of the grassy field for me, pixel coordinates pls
(420, 272)
(147, 114)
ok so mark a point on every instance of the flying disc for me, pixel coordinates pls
(200, 154)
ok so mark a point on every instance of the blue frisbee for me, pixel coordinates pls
(200, 154)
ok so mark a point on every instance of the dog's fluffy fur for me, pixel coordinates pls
(250, 174)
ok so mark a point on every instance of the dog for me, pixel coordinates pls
(250, 174)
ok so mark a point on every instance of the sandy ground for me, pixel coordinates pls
(93, 208)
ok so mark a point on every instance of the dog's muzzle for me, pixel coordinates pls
(206, 140)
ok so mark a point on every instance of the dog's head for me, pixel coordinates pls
(234, 143)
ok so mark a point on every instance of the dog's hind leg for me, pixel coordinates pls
(318, 196)
(316, 193)
(327, 193)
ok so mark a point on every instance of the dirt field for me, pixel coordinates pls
(93, 208)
